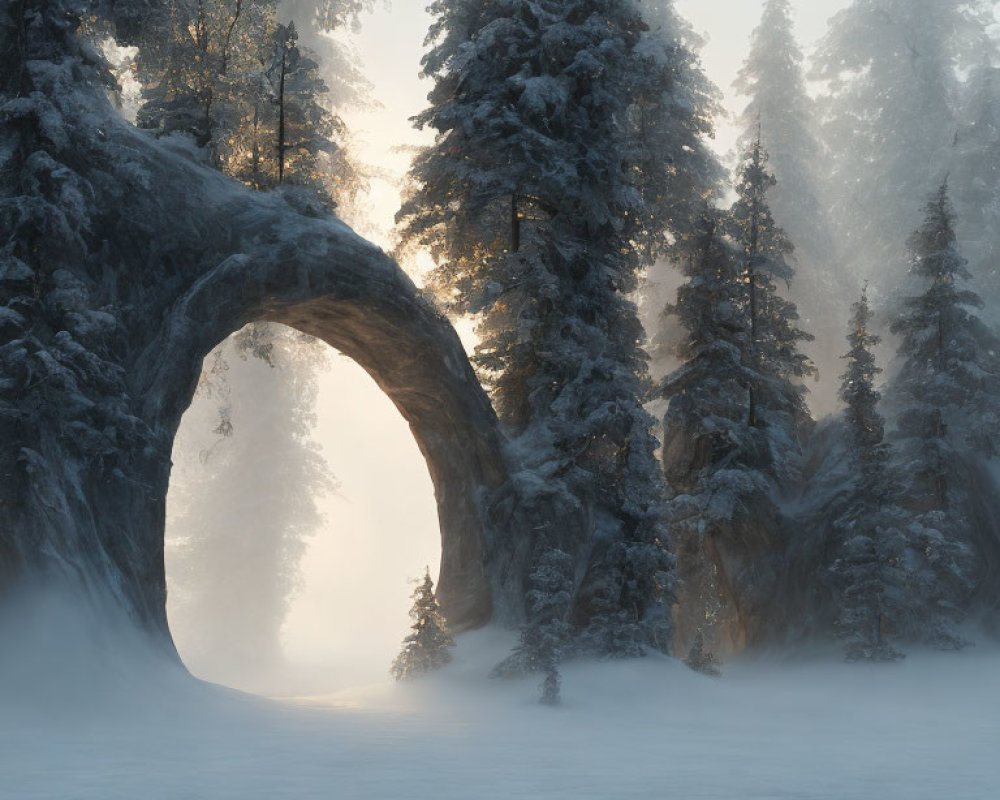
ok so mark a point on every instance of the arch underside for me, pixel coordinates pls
(448, 422)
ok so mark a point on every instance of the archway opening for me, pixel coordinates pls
(299, 507)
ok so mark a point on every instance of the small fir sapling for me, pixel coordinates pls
(428, 646)
(546, 636)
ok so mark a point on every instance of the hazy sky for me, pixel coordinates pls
(383, 526)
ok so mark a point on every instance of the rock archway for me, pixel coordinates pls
(125, 262)
(316, 276)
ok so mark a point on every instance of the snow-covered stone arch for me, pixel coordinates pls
(126, 261)
(313, 274)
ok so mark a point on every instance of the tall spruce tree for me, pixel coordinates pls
(428, 646)
(781, 112)
(527, 202)
(709, 390)
(671, 117)
(716, 464)
(947, 387)
(945, 399)
(870, 544)
(772, 356)
(735, 414)
(890, 116)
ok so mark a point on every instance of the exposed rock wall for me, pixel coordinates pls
(729, 538)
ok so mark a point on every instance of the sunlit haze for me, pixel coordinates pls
(399, 528)
(375, 540)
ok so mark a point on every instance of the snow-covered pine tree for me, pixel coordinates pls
(713, 460)
(709, 390)
(949, 356)
(774, 363)
(945, 399)
(857, 388)
(64, 394)
(890, 117)
(781, 112)
(672, 116)
(428, 646)
(527, 203)
(546, 635)
(869, 569)
(735, 415)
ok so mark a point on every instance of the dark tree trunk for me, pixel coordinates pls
(281, 116)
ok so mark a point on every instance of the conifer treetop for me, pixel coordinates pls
(755, 228)
(857, 389)
(772, 67)
(950, 369)
(935, 324)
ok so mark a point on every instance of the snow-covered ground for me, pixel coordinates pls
(106, 725)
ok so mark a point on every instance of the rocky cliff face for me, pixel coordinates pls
(729, 536)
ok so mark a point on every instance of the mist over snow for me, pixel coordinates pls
(95, 719)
